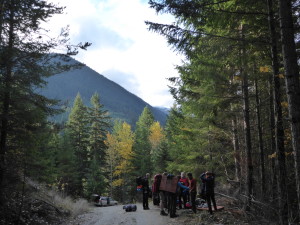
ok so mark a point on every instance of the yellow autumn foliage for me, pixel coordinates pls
(237, 78)
(264, 69)
(284, 104)
(120, 152)
(156, 134)
(118, 182)
(272, 156)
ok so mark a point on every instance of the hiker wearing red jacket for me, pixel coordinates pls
(193, 191)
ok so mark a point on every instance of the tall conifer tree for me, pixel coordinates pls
(142, 145)
(99, 124)
(24, 63)
(78, 131)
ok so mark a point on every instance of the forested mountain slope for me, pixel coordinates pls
(118, 101)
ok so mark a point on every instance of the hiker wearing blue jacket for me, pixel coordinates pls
(208, 179)
(185, 188)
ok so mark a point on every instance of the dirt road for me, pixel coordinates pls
(116, 215)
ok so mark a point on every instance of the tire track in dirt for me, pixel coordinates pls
(116, 215)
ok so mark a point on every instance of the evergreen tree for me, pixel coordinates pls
(42, 159)
(161, 158)
(291, 68)
(24, 63)
(142, 145)
(99, 124)
(78, 131)
(68, 176)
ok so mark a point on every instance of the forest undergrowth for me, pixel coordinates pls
(232, 214)
(33, 203)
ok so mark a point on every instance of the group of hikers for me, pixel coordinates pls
(171, 192)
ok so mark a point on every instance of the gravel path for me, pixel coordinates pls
(116, 215)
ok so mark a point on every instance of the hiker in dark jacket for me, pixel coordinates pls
(146, 190)
(208, 180)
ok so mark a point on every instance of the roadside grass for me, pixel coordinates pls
(68, 205)
(61, 202)
(74, 207)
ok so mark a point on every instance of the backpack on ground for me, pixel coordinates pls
(130, 208)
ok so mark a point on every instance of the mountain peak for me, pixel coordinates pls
(120, 103)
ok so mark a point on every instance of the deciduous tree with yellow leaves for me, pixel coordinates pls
(119, 157)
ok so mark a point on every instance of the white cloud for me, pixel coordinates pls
(121, 42)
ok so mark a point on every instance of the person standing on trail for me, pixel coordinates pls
(184, 195)
(172, 196)
(146, 190)
(163, 199)
(181, 190)
(208, 179)
(193, 191)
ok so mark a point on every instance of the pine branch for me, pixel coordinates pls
(184, 39)
(180, 8)
(242, 12)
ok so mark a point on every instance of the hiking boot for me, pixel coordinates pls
(173, 216)
(163, 213)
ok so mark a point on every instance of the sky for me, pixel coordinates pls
(123, 49)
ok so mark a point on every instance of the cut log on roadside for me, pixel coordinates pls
(219, 208)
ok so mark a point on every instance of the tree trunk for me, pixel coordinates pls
(247, 132)
(2, 8)
(7, 79)
(260, 141)
(236, 149)
(273, 184)
(279, 132)
(292, 82)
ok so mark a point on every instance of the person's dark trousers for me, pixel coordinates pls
(164, 199)
(178, 200)
(203, 195)
(183, 196)
(145, 201)
(210, 197)
(172, 204)
(169, 202)
(193, 200)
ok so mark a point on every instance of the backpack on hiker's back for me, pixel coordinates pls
(139, 183)
(156, 183)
